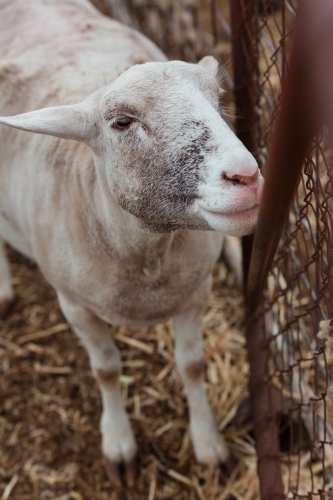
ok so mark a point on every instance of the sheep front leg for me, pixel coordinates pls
(209, 446)
(118, 443)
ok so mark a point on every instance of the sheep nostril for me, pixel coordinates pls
(245, 180)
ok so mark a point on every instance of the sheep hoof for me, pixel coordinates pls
(5, 306)
(227, 467)
(220, 473)
(115, 471)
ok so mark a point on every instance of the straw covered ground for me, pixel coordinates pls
(50, 405)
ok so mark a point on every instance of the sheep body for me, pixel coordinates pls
(124, 235)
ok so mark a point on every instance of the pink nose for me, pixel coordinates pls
(245, 180)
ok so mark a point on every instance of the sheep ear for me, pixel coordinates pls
(210, 63)
(67, 122)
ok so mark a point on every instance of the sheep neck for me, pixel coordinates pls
(124, 234)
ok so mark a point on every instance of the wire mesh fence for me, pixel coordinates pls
(298, 294)
(299, 291)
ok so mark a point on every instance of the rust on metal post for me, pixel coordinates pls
(244, 60)
(264, 409)
(264, 415)
(245, 71)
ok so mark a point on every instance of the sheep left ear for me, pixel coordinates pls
(68, 122)
(210, 63)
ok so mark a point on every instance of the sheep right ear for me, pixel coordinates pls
(210, 63)
(67, 122)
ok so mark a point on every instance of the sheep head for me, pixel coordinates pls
(162, 147)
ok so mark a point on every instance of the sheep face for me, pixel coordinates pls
(169, 157)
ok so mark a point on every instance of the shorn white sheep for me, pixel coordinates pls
(127, 222)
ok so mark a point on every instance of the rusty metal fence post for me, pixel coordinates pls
(264, 416)
(245, 67)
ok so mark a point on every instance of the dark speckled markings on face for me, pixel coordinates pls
(169, 179)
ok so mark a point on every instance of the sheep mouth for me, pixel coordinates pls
(233, 214)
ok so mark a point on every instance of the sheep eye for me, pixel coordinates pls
(122, 123)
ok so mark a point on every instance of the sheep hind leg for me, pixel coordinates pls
(118, 443)
(6, 289)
